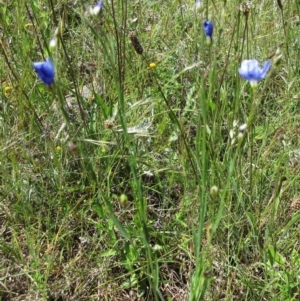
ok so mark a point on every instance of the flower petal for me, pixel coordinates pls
(45, 71)
(266, 68)
(254, 70)
(244, 69)
(251, 70)
(208, 28)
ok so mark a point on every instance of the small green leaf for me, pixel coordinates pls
(108, 253)
(275, 256)
(271, 254)
(119, 226)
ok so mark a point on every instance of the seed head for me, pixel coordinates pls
(136, 43)
(245, 8)
(295, 205)
(72, 147)
(108, 124)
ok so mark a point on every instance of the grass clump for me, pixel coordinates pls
(150, 169)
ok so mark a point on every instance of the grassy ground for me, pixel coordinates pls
(131, 181)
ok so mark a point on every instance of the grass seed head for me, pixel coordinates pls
(295, 205)
(72, 147)
(136, 43)
(108, 124)
(245, 8)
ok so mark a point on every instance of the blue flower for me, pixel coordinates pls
(45, 71)
(208, 28)
(251, 71)
(96, 9)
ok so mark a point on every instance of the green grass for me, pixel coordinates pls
(125, 182)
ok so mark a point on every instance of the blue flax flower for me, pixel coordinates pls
(45, 71)
(208, 28)
(251, 71)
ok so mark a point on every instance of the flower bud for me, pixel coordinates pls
(214, 191)
(199, 5)
(277, 56)
(123, 200)
(53, 42)
(45, 71)
(242, 128)
(240, 136)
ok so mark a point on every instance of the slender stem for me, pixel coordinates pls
(174, 118)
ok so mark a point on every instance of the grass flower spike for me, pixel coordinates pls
(96, 9)
(251, 71)
(208, 28)
(45, 71)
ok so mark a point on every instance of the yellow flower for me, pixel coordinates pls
(58, 148)
(7, 91)
(152, 65)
